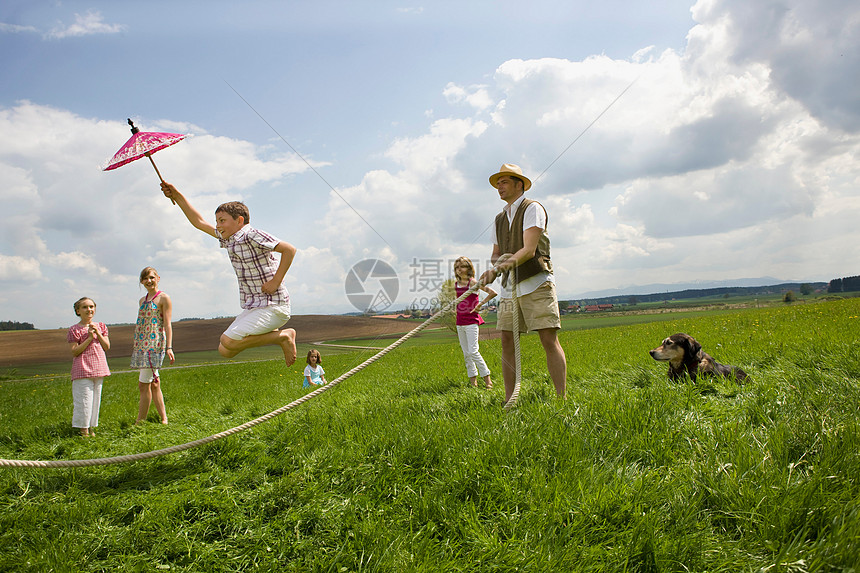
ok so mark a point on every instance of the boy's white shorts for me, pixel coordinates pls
(258, 321)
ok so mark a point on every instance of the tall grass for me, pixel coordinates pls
(405, 468)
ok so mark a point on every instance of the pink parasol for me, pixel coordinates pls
(142, 144)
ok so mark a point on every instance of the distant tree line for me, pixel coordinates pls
(12, 325)
(724, 292)
(845, 284)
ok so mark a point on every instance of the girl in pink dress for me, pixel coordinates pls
(153, 340)
(88, 341)
(468, 321)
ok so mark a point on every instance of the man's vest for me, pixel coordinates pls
(510, 238)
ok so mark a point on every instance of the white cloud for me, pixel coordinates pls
(76, 260)
(15, 29)
(84, 25)
(13, 268)
(812, 50)
(476, 96)
(429, 154)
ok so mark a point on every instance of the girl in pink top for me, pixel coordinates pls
(88, 341)
(468, 321)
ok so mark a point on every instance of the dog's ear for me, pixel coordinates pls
(695, 347)
(691, 345)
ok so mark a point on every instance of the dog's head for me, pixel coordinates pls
(677, 349)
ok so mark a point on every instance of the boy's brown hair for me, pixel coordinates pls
(235, 209)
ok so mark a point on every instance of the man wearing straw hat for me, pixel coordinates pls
(521, 249)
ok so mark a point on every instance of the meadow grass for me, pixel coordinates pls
(403, 467)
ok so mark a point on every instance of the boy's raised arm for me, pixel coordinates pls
(193, 216)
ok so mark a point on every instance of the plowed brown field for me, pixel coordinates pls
(19, 348)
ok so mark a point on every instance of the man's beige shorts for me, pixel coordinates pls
(538, 310)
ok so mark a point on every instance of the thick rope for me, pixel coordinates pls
(518, 363)
(247, 425)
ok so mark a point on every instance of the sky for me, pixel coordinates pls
(672, 143)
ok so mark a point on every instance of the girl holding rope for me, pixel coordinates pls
(468, 321)
(153, 338)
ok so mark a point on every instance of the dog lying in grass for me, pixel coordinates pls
(685, 356)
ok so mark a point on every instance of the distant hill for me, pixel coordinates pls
(693, 293)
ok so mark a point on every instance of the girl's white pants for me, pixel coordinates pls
(475, 365)
(87, 397)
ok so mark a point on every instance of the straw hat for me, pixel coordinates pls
(511, 170)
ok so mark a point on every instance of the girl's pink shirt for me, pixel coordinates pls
(92, 362)
(465, 310)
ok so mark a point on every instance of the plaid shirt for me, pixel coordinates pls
(92, 362)
(252, 254)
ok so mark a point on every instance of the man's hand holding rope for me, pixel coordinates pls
(502, 266)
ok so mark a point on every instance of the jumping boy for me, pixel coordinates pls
(265, 300)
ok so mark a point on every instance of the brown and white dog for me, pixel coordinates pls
(685, 356)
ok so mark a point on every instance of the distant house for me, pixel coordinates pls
(597, 307)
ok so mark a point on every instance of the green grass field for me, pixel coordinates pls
(403, 467)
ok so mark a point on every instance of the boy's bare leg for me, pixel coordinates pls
(285, 338)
